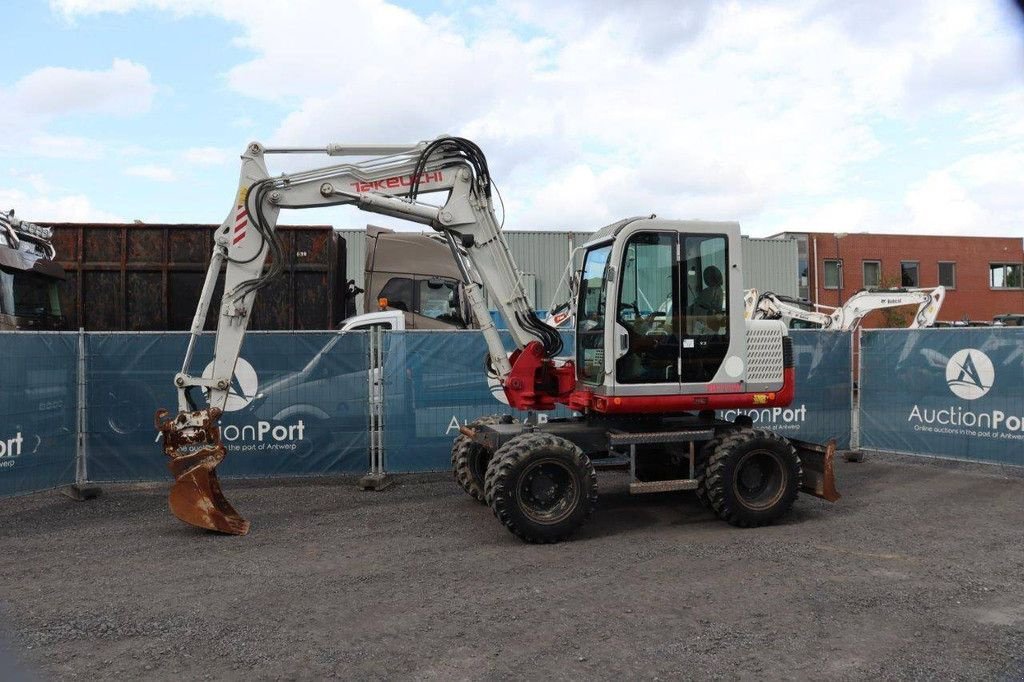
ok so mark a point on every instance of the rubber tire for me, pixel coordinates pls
(512, 459)
(700, 467)
(465, 459)
(721, 470)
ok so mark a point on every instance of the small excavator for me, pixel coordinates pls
(798, 312)
(643, 386)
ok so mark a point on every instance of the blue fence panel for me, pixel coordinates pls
(433, 383)
(822, 403)
(38, 417)
(298, 406)
(955, 393)
(499, 321)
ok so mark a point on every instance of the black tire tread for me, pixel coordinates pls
(463, 450)
(715, 483)
(511, 454)
(700, 467)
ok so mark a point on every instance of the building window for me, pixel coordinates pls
(872, 273)
(1005, 275)
(947, 275)
(908, 274)
(833, 274)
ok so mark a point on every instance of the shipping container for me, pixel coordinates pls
(142, 277)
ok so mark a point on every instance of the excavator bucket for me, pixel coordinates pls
(192, 441)
(819, 469)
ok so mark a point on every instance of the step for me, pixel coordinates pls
(641, 487)
(610, 462)
(636, 438)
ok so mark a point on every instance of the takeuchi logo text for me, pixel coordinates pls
(397, 182)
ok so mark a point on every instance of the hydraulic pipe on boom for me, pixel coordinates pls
(388, 182)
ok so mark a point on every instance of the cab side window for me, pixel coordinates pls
(706, 286)
(439, 300)
(706, 297)
(647, 303)
(400, 293)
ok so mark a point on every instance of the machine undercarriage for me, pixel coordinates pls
(530, 473)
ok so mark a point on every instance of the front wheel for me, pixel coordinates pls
(752, 477)
(470, 459)
(541, 487)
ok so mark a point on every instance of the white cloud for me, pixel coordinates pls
(980, 194)
(594, 109)
(70, 9)
(207, 156)
(63, 147)
(35, 101)
(152, 172)
(122, 90)
(46, 207)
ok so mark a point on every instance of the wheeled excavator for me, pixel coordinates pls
(643, 384)
(800, 312)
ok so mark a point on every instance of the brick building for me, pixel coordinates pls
(984, 276)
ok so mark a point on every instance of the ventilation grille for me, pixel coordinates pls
(764, 355)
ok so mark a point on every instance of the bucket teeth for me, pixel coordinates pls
(192, 442)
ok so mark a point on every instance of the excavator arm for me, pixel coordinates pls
(769, 306)
(387, 180)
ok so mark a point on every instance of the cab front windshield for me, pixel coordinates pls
(590, 316)
(26, 294)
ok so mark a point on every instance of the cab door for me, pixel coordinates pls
(671, 332)
(647, 321)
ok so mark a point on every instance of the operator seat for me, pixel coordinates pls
(710, 300)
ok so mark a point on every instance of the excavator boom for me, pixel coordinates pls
(387, 180)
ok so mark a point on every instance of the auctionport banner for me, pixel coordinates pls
(944, 392)
(821, 406)
(435, 382)
(297, 405)
(38, 402)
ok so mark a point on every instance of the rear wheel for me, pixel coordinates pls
(541, 487)
(470, 459)
(700, 467)
(752, 477)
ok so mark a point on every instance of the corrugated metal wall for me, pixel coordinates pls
(769, 264)
(355, 260)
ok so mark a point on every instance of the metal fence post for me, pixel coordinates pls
(376, 478)
(855, 454)
(80, 489)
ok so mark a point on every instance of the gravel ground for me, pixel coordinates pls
(915, 574)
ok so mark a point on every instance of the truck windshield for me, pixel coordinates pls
(590, 316)
(26, 294)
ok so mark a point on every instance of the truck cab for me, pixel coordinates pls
(415, 274)
(29, 276)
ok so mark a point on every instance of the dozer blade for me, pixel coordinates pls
(192, 441)
(819, 469)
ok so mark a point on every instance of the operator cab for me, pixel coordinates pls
(660, 294)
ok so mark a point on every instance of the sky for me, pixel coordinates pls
(825, 115)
